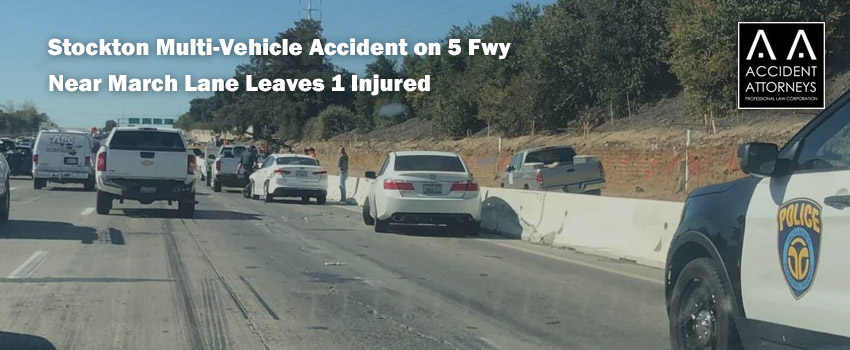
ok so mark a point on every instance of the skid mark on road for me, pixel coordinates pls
(260, 299)
(28, 268)
(186, 304)
(213, 316)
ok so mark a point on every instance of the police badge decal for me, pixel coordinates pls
(799, 242)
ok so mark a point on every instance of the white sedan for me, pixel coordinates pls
(289, 175)
(423, 188)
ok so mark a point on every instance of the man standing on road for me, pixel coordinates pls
(248, 161)
(342, 163)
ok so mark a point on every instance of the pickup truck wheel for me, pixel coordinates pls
(367, 216)
(5, 206)
(322, 199)
(186, 209)
(269, 197)
(89, 185)
(216, 186)
(104, 203)
(208, 181)
(701, 310)
(305, 199)
(38, 183)
(473, 228)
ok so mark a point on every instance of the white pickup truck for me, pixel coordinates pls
(226, 170)
(145, 165)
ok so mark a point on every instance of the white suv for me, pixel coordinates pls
(418, 187)
(146, 165)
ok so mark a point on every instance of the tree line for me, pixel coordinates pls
(20, 119)
(574, 62)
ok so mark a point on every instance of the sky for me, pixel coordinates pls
(26, 27)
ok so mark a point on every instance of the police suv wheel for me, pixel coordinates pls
(5, 206)
(702, 309)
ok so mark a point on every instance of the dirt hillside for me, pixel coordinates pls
(643, 155)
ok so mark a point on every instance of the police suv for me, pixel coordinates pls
(764, 261)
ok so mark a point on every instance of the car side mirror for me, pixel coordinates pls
(371, 175)
(510, 168)
(758, 158)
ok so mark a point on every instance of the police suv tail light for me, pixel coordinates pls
(218, 165)
(101, 161)
(191, 165)
(397, 185)
(539, 177)
(35, 159)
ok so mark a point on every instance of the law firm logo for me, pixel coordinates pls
(781, 65)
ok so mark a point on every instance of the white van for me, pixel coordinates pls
(63, 157)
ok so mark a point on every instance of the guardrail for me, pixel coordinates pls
(621, 228)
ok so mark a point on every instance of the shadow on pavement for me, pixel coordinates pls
(439, 231)
(68, 189)
(199, 214)
(17, 341)
(28, 229)
(294, 201)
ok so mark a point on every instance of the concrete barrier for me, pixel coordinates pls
(620, 228)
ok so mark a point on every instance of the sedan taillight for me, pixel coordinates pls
(282, 172)
(101, 161)
(397, 185)
(465, 186)
(320, 173)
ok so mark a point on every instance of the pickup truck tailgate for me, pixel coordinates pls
(147, 155)
(146, 164)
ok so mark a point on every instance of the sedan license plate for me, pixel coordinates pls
(147, 190)
(432, 189)
(71, 160)
(300, 173)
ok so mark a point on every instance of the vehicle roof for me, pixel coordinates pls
(295, 155)
(425, 153)
(54, 131)
(543, 148)
(145, 128)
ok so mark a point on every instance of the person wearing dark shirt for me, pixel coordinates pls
(248, 161)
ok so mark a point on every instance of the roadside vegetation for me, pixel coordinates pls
(575, 64)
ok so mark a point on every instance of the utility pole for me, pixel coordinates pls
(307, 12)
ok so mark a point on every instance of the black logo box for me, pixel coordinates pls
(781, 37)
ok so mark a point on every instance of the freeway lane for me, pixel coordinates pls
(251, 275)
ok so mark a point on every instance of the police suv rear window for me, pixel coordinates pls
(147, 141)
(429, 163)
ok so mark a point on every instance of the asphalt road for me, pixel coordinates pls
(246, 274)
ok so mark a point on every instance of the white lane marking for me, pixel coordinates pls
(87, 211)
(578, 262)
(348, 208)
(490, 342)
(12, 188)
(27, 269)
(32, 199)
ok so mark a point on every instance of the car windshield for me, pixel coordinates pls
(296, 161)
(549, 156)
(429, 163)
(147, 141)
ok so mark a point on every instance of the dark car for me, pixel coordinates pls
(20, 161)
